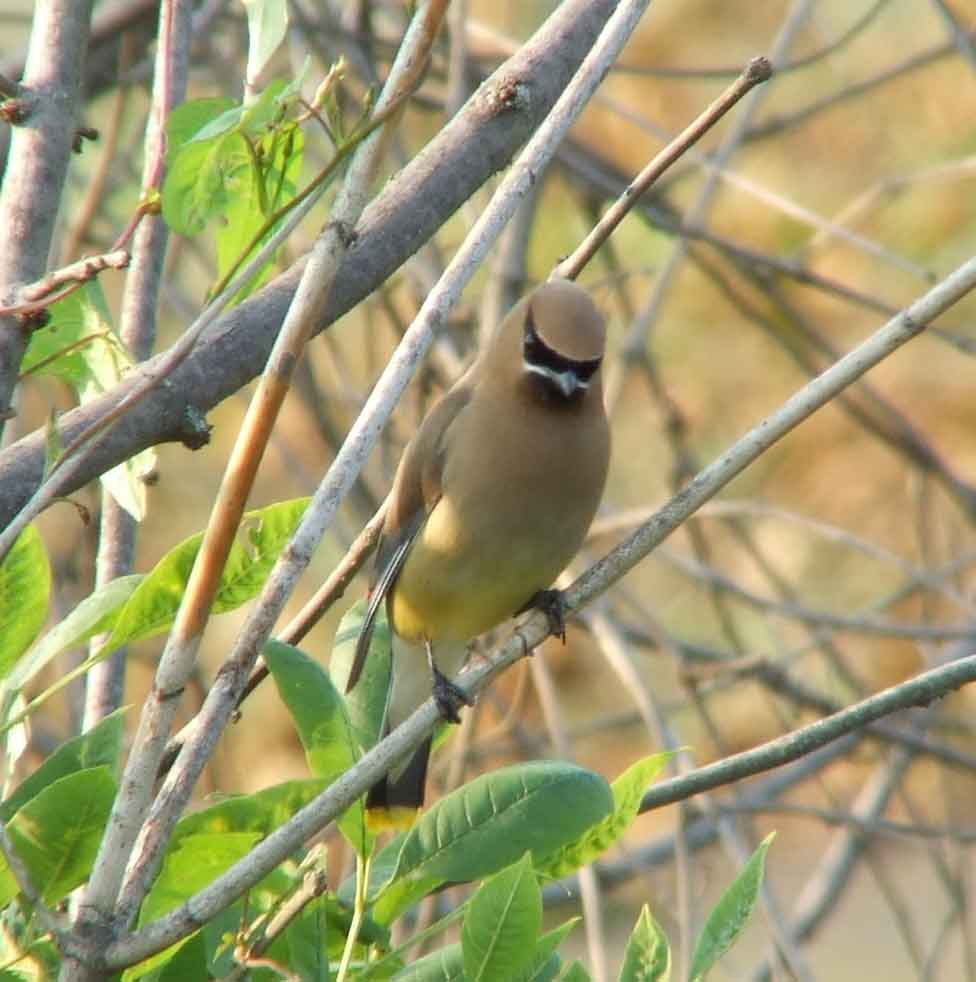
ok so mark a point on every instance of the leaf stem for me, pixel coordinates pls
(363, 864)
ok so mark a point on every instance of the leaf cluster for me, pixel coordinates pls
(508, 830)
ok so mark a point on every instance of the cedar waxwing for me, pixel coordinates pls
(492, 499)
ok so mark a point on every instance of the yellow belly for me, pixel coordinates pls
(452, 588)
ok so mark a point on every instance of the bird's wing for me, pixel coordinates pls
(416, 490)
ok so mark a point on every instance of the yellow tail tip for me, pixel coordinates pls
(398, 818)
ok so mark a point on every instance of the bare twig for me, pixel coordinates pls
(333, 801)
(962, 40)
(758, 70)
(43, 293)
(137, 327)
(779, 123)
(593, 924)
(663, 283)
(249, 955)
(331, 591)
(821, 894)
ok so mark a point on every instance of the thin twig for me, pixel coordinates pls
(758, 70)
(593, 923)
(225, 692)
(37, 296)
(346, 789)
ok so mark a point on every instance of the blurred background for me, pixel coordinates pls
(842, 562)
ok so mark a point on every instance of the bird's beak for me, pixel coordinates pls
(568, 382)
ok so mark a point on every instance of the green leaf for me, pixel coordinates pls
(305, 942)
(545, 962)
(502, 924)
(267, 24)
(366, 703)
(202, 181)
(628, 790)
(80, 346)
(648, 957)
(729, 916)
(393, 896)
(57, 833)
(75, 344)
(575, 973)
(260, 191)
(127, 482)
(153, 604)
(192, 863)
(25, 585)
(269, 108)
(545, 972)
(323, 727)
(490, 822)
(187, 121)
(189, 962)
(259, 813)
(94, 615)
(101, 745)
(444, 965)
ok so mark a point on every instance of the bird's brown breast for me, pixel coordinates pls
(490, 544)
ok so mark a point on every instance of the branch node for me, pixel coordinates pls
(81, 134)
(194, 430)
(346, 232)
(15, 111)
(759, 69)
(508, 95)
(33, 320)
(9, 89)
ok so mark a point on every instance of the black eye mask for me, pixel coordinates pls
(537, 352)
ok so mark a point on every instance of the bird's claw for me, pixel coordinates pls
(449, 697)
(550, 602)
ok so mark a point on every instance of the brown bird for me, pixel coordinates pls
(492, 498)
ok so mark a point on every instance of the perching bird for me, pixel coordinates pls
(492, 498)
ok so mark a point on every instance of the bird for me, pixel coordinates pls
(492, 498)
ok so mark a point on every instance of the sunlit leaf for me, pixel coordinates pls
(57, 833)
(729, 916)
(648, 956)
(25, 586)
(502, 923)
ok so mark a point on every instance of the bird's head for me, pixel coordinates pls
(563, 338)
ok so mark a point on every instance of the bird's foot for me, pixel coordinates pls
(448, 696)
(550, 602)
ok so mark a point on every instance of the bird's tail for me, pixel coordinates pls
(394, 801)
